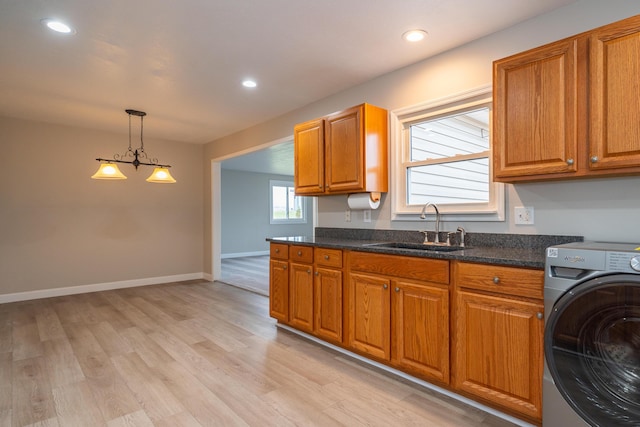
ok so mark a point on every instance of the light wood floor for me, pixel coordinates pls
(250, 273)
(191, 354)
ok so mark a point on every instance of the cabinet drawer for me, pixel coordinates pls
(425, 269)
(328, 257)
(279, 251)
(505, 280)
(301, 253)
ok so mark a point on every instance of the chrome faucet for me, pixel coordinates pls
(423, 215)
(462, 232)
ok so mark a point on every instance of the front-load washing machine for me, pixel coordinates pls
(592, 335)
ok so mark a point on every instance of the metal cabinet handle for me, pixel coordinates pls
(397, 289)
(317, 273)
(496, 280)
(308, 271)
(569, 162)
(326, 257)
(299, 253)
(277, 250)
(385, 286)
(594, 159)
(284, 267)
(539, 315)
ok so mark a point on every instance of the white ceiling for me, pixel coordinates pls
(183, 61)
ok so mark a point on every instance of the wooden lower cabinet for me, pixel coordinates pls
(370, 315)
(301, 296)
(479, 333)
(498, 338)
(328, 307)
(420, 329)
(279, 290)
(306, 292)
(400, 321)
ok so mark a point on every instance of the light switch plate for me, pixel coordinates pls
(367, 215)
(523, 215)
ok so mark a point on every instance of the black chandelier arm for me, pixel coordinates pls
(136, 163)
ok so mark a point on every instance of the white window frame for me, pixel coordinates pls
(272, 220)
(400, 123)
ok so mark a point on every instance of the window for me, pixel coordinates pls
(440, 154)
(286, 207)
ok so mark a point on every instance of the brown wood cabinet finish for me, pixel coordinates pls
(301, 287)
(614, 54)
(420, 329)
(399, 312)
(308, 173)
(483, 337)
(370, 315)
(279, 290)
(307, 291)
(301, 296)
(344, 152)
(535, 112)
(329, 291)
(570, 109)
(498, 338)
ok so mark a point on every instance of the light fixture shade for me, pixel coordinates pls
(161, 175)
(108, 171)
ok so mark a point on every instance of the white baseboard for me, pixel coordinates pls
(244, 254)
(207, 277)
(96, 287)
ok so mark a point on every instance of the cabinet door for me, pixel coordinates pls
(301, 297)
(370, 315)
(328, 304)
(420, 329)
(344, 149)
(615, 96)
(499, 351)
(279, 290)
(535, 128)
(308, 149)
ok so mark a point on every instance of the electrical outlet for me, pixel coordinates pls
(367, 215)
(523, 215)
(347, 215)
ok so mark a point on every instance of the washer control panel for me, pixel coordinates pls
(626, 262)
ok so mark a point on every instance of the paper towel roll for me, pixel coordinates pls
(364, 201)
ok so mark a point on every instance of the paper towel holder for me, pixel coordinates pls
(364, 200)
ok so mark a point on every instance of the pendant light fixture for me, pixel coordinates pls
(109, 169)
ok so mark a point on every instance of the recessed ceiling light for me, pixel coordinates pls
(249, 83)
(58, 26)
(414, 35)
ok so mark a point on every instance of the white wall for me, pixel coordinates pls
(61, 229)
(597, 209)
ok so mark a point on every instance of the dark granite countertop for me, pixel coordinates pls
(517, 250)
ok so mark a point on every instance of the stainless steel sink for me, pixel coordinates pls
(438, 247)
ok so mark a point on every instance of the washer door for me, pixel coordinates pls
(592, 346)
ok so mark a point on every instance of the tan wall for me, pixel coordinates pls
(461, 69)
(59, 228)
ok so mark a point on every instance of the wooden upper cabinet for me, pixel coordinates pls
(344, 152)
(309, 157)
(535, 112)
(570, 109)
(614, 54)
